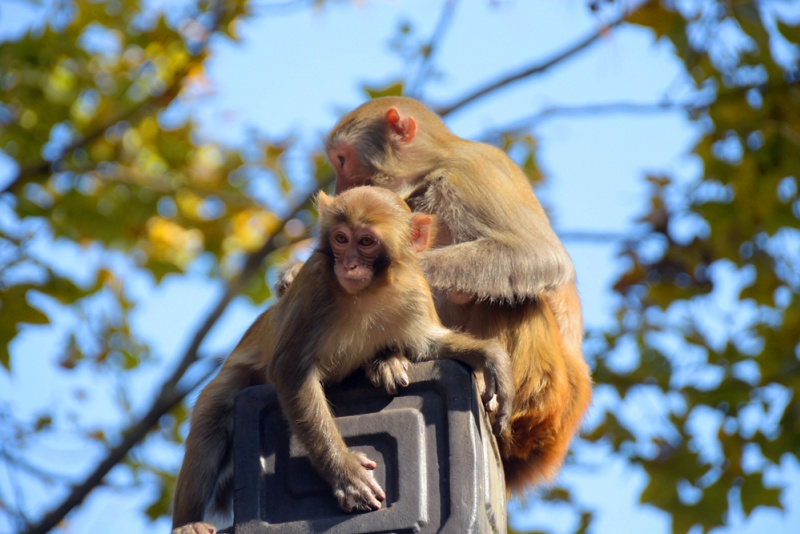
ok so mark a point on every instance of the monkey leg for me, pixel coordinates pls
(552, 386)
(206, 476)
(389, 370)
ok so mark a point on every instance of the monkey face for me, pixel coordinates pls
(354, 253)
(350, 170)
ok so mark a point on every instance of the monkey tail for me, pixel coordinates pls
(552, 389)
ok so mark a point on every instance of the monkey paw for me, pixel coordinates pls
(286, 276)
(389, 372)
(356, 489)
(496, 389)
(195, 528)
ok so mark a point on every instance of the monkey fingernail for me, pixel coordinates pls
(492, 405)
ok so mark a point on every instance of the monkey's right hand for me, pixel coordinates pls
(496, 387)
(195, 528)
(388, 371)
(356, 488)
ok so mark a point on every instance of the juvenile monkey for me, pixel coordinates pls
(499, 270)
(361, 293)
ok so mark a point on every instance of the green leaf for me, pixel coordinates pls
(790, 31)
(15, 310)
(395, 89)
(753, 494)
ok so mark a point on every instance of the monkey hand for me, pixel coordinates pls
(356, 488)
(195, 528)
(388, 371)
(286, 276)
(496, 387)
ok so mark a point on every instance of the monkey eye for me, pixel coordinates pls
(341, 160)
(367, 241)
(340, 238)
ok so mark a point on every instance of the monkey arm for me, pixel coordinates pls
(493, 270)
(303, 401)
(306, 408)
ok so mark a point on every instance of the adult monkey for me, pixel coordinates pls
(498, 268)
(361, 293)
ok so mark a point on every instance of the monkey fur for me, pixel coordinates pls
(362, 293)
(498, 269)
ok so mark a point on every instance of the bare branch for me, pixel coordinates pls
(415, 87)
(539, 67)
(552, 112)
(170, 394)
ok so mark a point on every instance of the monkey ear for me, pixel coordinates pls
(323, 201)
(405, 129)
(423, 231)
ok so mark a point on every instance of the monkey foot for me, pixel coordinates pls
(389, 372)
(357, 489)
(195, 528)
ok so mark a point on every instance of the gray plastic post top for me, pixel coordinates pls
(437, 459)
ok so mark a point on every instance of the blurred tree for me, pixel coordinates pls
(106, 165)
(708, 304)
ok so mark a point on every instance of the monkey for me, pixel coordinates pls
(497, 268)
(360, 294)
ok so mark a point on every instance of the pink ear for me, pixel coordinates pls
(406, 128)
(323, 201)
(422, 230)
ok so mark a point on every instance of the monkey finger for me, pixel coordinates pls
(395, 374)
(501, 420)
(389, 372)
(373, 493)
(359, 491)
(489, 388)
(366, 501)
(364, 461)
(492, 405)
(373, 376)
(480, 383)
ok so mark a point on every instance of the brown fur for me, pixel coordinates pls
(320, 332)
(499, 270)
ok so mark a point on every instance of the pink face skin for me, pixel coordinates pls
(354, 253)
(349, 170)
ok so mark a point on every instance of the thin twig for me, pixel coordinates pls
(415, 87)
(551, 112)
(539, 67)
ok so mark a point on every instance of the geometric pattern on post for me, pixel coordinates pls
(437, 459)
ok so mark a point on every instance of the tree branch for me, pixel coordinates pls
(170, 395)
(432, 47)
(539, 67)
(30, 171)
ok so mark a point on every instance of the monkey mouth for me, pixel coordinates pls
(354, 284)
(354, 280)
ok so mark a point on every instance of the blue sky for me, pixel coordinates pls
(294, 73)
